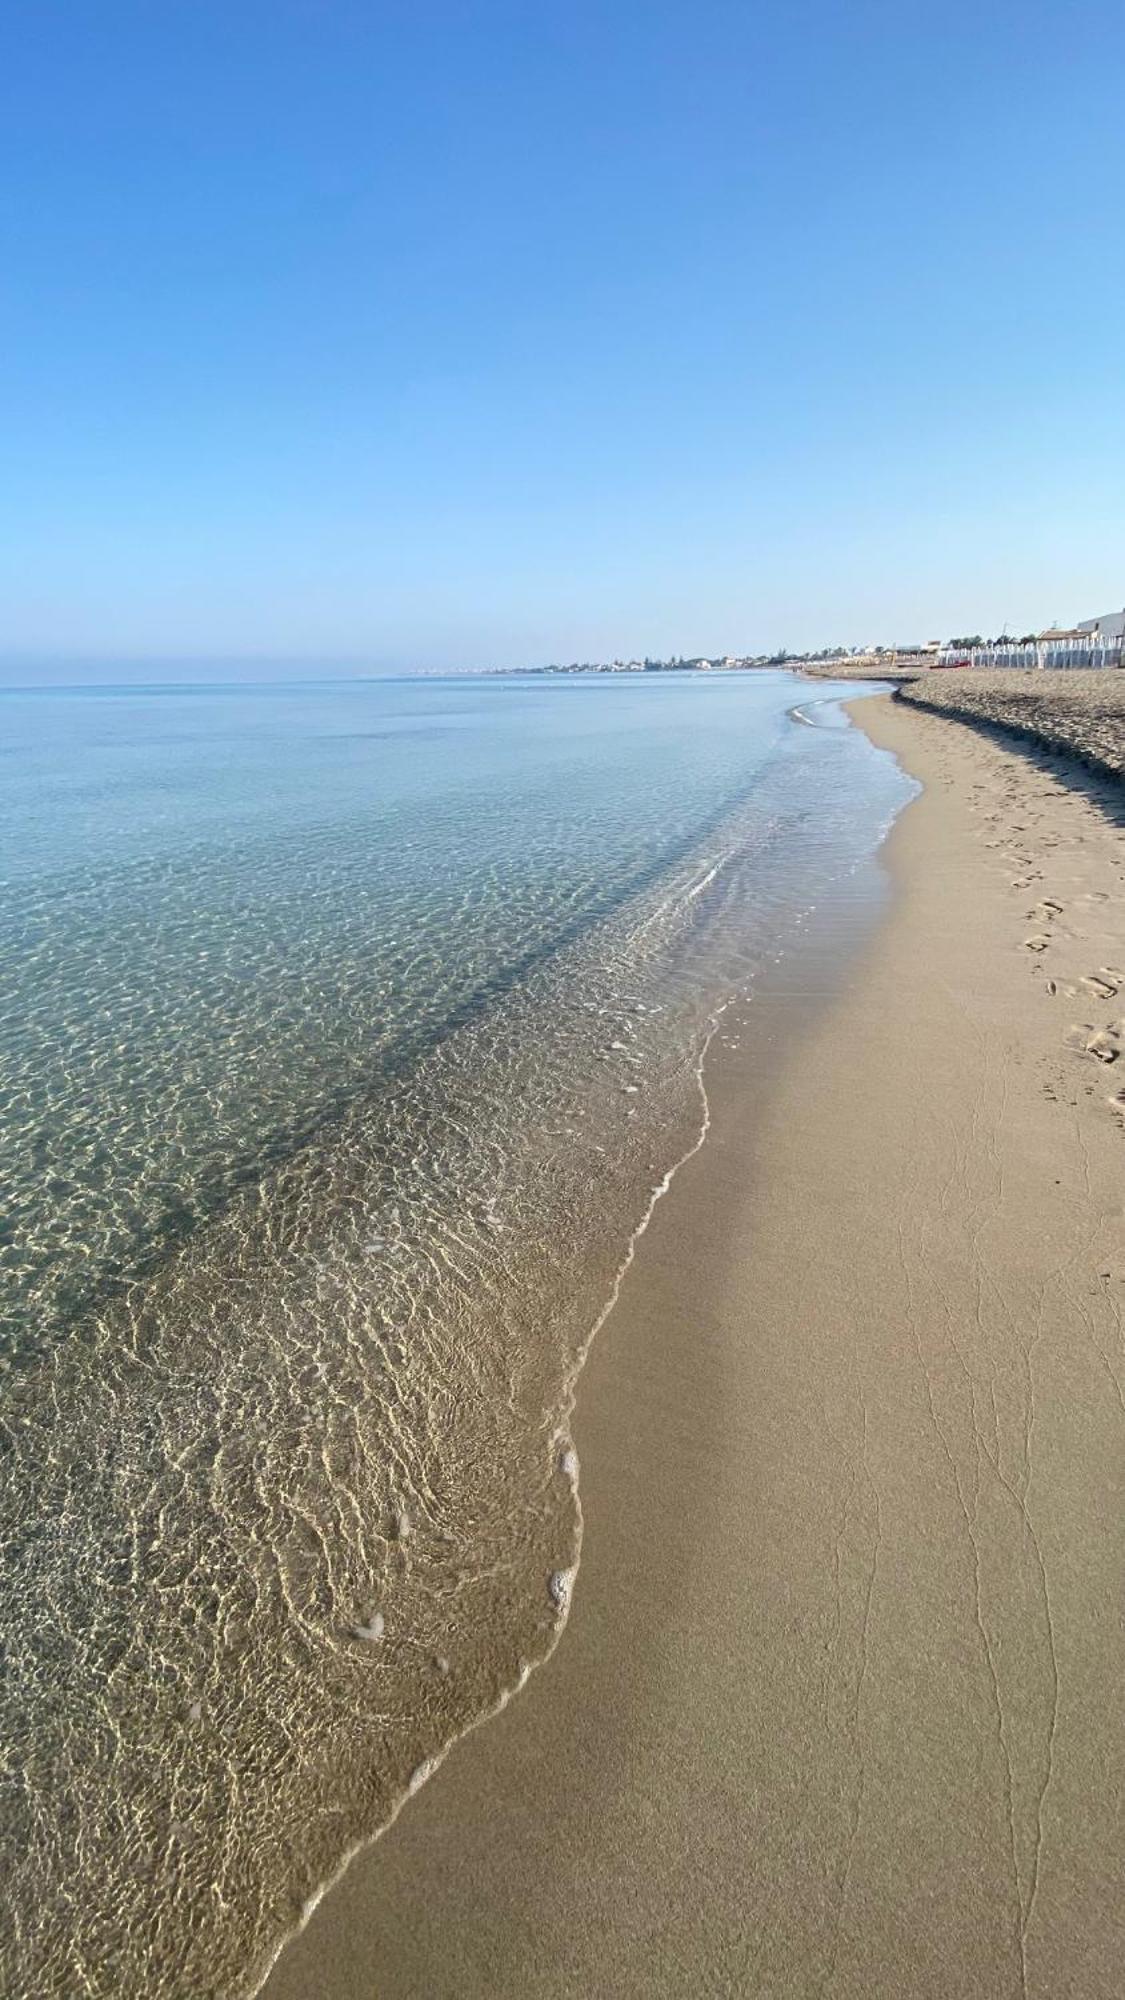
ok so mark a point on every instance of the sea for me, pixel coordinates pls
(349, 1033)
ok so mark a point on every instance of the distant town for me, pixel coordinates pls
(1093, 642)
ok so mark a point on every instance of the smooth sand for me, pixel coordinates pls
(839, 1706)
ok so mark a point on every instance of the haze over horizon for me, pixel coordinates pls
(471, 336)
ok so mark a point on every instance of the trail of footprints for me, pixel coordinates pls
(1076, 939)
(1097, 989)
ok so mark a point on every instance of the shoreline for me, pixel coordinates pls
(856, 911)
(789, 1743)
(365, 1363)
(564, 1578)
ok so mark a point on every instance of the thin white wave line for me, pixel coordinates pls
(681, 896)
(801, 711)
(710, 875)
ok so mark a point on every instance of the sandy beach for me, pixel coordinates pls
(838, 1707)
(1080, 712)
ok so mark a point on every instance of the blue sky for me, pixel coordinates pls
(488, 334)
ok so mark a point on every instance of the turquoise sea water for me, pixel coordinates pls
(346, 1031)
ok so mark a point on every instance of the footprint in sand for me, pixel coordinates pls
(1086, 1040)
(1037, 943)
(1078, 1035)
(1102, 989)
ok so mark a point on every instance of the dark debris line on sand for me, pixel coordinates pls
(1081, 714)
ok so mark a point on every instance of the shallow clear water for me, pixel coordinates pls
(346, 1032)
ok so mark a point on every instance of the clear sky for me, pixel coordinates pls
(436, 334)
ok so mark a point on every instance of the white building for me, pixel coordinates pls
(1110, 629)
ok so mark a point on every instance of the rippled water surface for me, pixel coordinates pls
(346, 1032)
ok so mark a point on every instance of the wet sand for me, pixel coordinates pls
(838, 1707)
